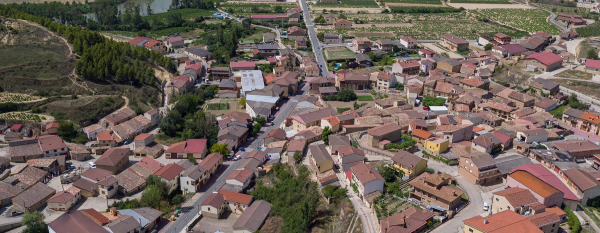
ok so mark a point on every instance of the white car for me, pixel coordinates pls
(92, 165)
(486, 207)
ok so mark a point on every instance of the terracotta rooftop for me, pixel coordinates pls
(536, 185)
(518, 197)
(503, 222)
(366, 173)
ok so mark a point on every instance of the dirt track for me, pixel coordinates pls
(474, 6)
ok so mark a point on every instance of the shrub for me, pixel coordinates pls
(433, 101)
(429, 170)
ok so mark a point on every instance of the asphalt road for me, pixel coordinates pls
(316, 46)
(190, 214)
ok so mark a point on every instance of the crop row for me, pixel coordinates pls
(350, 3)
(432, 2)
(11, 97)
(407, 17)
(433, 30)
(531, 20)
(22, 116)
(481, 1)
(565, 9)
(258, 8)
(423, 9)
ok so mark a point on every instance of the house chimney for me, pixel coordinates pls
(113, 211)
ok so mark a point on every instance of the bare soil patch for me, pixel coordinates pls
(474, 6)
(584, 87)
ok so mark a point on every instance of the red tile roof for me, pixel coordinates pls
(540, 172)
(242, 64)
(503, 222)
(546, 58)
(590, 63)
(151, 164)
(236, 197)
(170, 172)
(51, 142)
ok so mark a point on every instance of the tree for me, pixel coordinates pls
(260, 119)
(488, 47)
(322, 20)
(325, 135)
(152, 196)
(321, 37)
(192, 159)
(34, 222)
(243, 101)
(387, 173)
(220, 148)
(342, 16)
(592, 54)
(433, 101)
(347, 95)
(158, 182)
(298, 156)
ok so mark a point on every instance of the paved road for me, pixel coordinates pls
(188, 216)
(581, 97)
(316, 46)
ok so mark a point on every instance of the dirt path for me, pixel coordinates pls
(73, 76)
(474, 6)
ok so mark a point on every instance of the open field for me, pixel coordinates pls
(430, 2)
(186, 14)
(247, 9)
(368, 25)
(339, 53)
(33, 59)
(575, 74)
(472, 6)
(531, 20)
(410, 4)
(86, 110)
(584, 87)
(349, 3)
(22, 116)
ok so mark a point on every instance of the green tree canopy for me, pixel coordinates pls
(220, 148)
(152, 196)
(298, 156)
(488, 47)
(347, 95)
(592, 54)
(325, 135)
(34, 222)
(433, 101)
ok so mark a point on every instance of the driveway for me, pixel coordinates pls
(572, 45)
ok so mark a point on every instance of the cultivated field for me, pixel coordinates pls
(471, 6)
(22, 116)
(186, 14)
(431, 2)
(339, 53)
(17, 98)
(481, 1)
(564, 9)
(531, 20)
(350, 3)
(86, 110)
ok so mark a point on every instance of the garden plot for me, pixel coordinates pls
(531, 20)
(25, 117)
(471, 6)
(339, 53)
(17, 98)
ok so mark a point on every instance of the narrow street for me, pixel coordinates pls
(316, 45)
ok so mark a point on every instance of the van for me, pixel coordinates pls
(486, 207)
(92, 165)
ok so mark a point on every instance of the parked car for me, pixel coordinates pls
(486, 207)
(92, 165)
(425, 108)
(242, 149)
(16, 213)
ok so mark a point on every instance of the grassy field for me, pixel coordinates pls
(247, 9)
(481, 1)
(584, 87)
(365, 98)
(349, 3)
(84, 111)
(575, 74)
(432, 2)
(186, 14)
(334, 54)
(531, 20)
(16, 97)
(33, 59)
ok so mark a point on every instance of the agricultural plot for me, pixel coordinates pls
(246, 9)
(433, 30)
(430, 2)
(340, 53)
(406, 17)
(531, 20)
(481, 1)
(565, 9)
(423, 9)
(16, 97)
(186, 14)
(218, 106)
(349, 3)
(22, 116)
